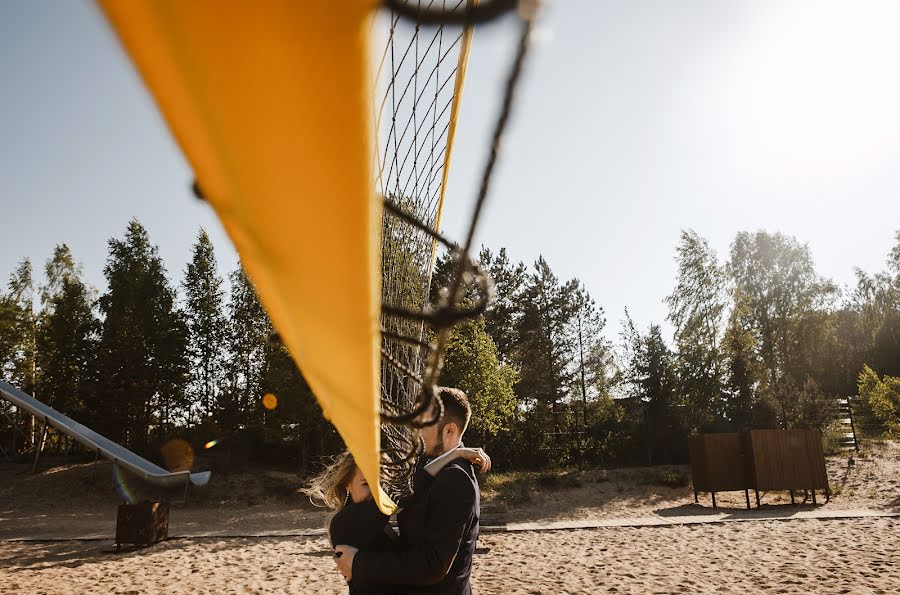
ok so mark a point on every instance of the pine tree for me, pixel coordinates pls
(545, 348)
(649, 379)
(591, 351)
(249, 329)
(503, 315)
(207, 330)
(142, 356)
(67, 336)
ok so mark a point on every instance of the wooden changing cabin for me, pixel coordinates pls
(761, 460)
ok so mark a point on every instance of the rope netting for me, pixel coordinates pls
(420, 75)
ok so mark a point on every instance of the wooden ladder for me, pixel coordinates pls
(845, 412)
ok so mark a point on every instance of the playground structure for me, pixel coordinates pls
(766, 460)
(102, 446)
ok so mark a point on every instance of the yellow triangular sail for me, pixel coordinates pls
(271, 103)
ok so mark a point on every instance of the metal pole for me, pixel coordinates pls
(39, 447)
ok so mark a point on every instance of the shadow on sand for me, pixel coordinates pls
(42, 555)
(725, 513)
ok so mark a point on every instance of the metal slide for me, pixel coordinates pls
(117, 453)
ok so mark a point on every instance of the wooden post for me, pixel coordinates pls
(696, 499)
(792, 498)
(747, 496)
(39, 447)
(757, 499)
(15, 428)
(852, 424)
(94, 466)
(713, 499)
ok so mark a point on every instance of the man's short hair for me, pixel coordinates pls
(456, 407)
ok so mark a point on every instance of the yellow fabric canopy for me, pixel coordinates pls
(271, 103)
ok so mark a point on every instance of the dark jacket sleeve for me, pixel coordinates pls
(451, 505)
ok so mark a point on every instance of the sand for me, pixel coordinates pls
(756, 554)
(837, 556)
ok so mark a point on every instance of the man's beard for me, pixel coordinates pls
(436, 449)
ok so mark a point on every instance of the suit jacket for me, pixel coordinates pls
(438, 531)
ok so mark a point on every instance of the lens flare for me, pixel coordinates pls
(211, 443)
(177, 455)
(270, 401)
(122, 487)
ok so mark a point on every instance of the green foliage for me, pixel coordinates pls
(248, 331)
(502, 317)
(518, 487)
(206, 325)
(697, 309)
(544, 348)
(784, 305)
(143, 367)
(832, 437)
(743, 368)
(19, 325)
(673, 479)
(66, 337)
(883, 396)
(556, 480)
(471, 364)
(650, 381)
(876, 306)
(758, 342)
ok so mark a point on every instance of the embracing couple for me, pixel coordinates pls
(438, 524)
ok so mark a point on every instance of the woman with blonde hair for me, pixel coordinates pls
(357, 521)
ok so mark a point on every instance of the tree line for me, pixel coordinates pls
(147, 361)
(760, 340)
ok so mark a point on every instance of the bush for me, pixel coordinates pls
(831, 438)
(672, 479)
(883, 396)
(556, 480)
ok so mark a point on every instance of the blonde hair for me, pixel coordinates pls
(329, 488)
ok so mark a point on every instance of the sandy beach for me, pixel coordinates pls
(680, 552)
(838, 556)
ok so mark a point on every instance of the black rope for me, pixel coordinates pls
(467, 271)
(409, 223)
(472, 14)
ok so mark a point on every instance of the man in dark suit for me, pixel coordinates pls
(438, 526)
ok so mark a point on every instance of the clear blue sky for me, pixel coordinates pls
(636, 120)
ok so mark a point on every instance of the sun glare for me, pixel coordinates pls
(812, 89)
